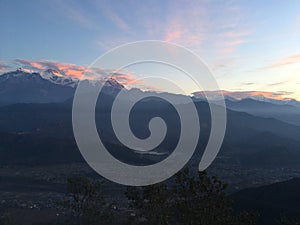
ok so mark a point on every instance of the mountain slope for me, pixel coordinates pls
(271, 201)
(48, 87)
(249, 140)
(22, 87)
(285, 112)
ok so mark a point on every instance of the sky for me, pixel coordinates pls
(248, 45)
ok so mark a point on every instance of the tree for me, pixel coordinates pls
(202, 200)
(5, 219)
(151, 204)
(86, 203)
(188, 200)
(287, 221)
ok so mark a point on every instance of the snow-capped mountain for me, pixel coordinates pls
(58, 78)
(61, 79)
(22, 86)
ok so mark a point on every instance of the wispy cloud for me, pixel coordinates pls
(65, 68)
(114, 17)
(130, 80)
(4, 67)
(75, 13)
(173, 35)
(185, 23)
(277, 83)
(126, 78)
(75, 71)
(198, 24)
(247, 83)
(285, 61)
(213, 30)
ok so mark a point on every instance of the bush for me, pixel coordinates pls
(189, 201)
(86, 204)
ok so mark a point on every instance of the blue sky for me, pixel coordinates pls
(249, 45)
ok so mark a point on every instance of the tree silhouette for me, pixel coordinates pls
(188, 200)
(287, 221)
(86, 203)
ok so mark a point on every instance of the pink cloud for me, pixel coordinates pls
(215, 33)
(236, 42)
(126, 78)
(173, 35)
(82, 72)
(79, 72)
(289, 60)
(4, 67)
(65, 68)
(233, 34)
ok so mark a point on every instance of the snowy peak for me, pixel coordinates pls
(58, 78)
(61, 79)
(19, 75)
(22, 75)
(54, 72)
(114, 83)
(24, 86)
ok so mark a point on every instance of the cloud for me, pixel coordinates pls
(185, 23)
(248, 83)
(125, 78)
(277, 83)
(198, 23)
(289, 60)
(280, 95)
(215, 31)
(111, 15)
(79, 72)
(65, 68)
(74, 13)
(4, 67)
(233, 34)
(173, 35)
(117, 20)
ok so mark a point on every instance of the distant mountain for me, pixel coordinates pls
(271, 201)
(23, 87)
(285, 112)
(254, 103)
(41, 105)
(48, 87)
(250, 141)
(241, 95)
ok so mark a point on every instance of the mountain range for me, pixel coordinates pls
(47, 87)
(51, 86)
(44, 82)
(262, 134)
(259, 133)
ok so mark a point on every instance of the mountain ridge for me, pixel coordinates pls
(49, 86)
